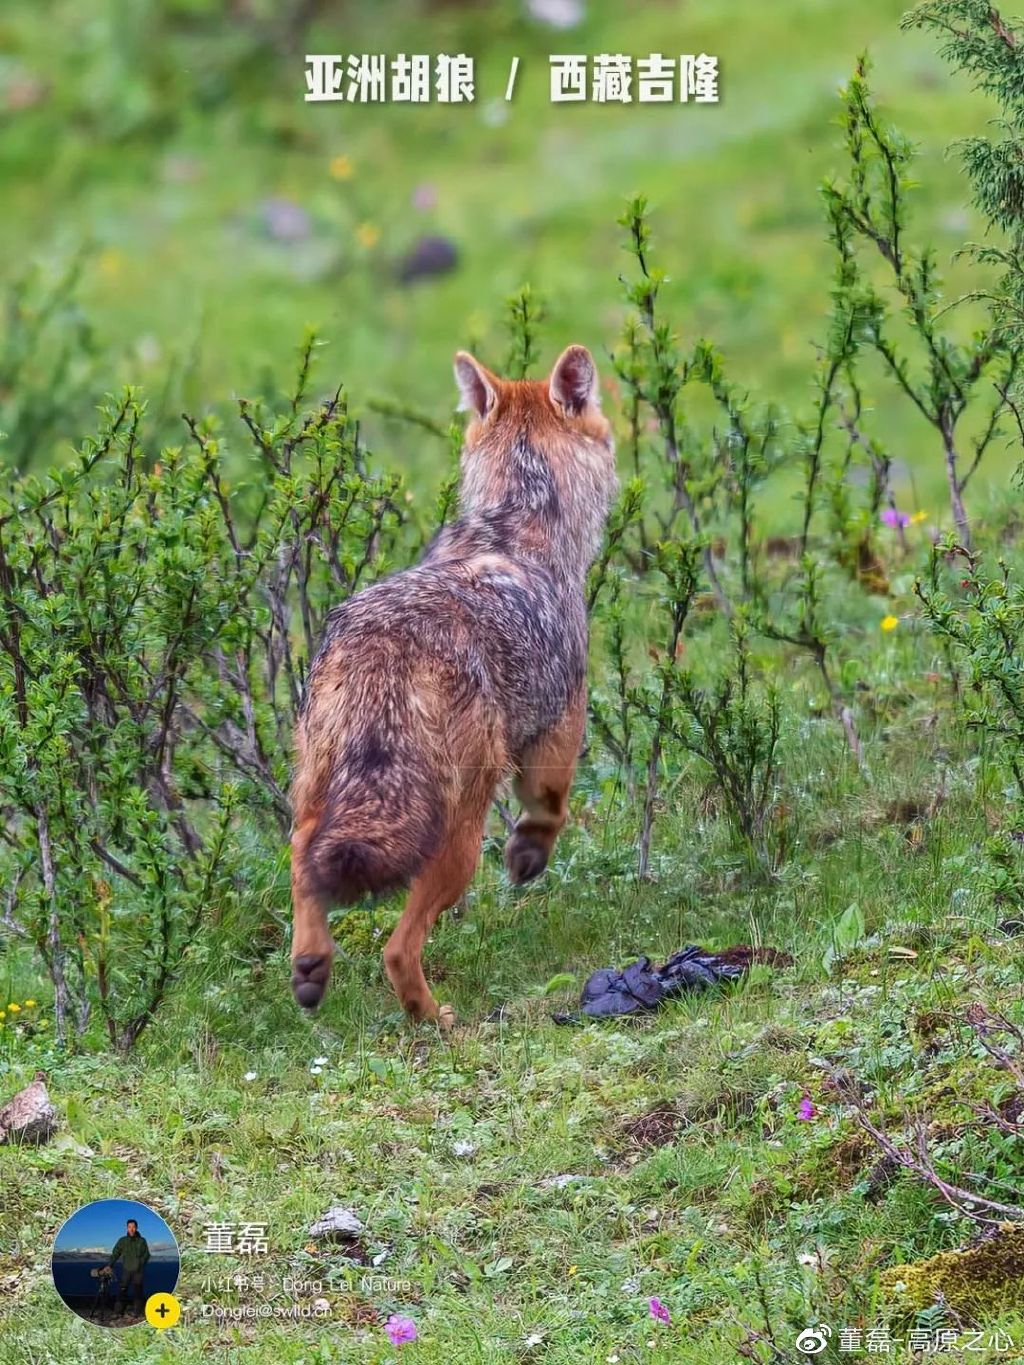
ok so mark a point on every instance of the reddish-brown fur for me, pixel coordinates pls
(433, 684)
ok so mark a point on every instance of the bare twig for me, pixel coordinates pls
(918, 1161)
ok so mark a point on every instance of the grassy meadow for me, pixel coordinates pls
(698, 1185)
(156, 146)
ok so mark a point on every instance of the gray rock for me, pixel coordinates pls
(29, 1116)
(338, 1225)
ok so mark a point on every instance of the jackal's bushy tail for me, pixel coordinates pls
(382, 818)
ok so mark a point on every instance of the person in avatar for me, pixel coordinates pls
(132, 1250)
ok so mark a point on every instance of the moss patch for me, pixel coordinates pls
(976, 1283)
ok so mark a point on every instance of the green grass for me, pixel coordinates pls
(158, 142)
(490, 1249)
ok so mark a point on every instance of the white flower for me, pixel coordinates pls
(534, 1339)
(320, 1061)
(250, 1075)
(463, 1147)
(315, 1070)
(612, 1359)
(321, 1305)
(807, 1259)
(493, 113)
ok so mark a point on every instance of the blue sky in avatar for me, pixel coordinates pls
(97, 1227)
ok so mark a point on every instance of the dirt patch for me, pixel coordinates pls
(657, 1128)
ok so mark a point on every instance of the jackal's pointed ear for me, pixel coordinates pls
(477, 386)
(573, 383)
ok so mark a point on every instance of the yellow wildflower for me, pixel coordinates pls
(110, 263)
(342, 168)
(13, 1007)
(916, 518)
(573, 1269)
(368, 234)
(30, 1004)
(890, 622)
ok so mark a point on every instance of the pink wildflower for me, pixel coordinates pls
(399, 1329)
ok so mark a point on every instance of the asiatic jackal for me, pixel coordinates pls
(436, 682)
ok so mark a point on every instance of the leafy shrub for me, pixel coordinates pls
(157, 619)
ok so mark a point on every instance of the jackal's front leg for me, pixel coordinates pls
(542, 785)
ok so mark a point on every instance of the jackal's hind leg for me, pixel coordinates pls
(312, 944)
(542, 785)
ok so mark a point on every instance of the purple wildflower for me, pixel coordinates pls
(659, 1312)
(424, 197)
(399, 1329)
(891, 517)
(807, 1110)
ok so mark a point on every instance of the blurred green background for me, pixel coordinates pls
(220, 214)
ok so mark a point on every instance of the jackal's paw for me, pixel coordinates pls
(309, 978)
(525, 858)
(446, 1018)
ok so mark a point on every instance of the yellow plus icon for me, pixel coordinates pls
(162, 1310)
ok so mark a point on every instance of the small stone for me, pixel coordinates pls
(29, 1116)
(338, 1225)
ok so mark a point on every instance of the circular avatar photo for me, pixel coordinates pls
(110, 1257)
